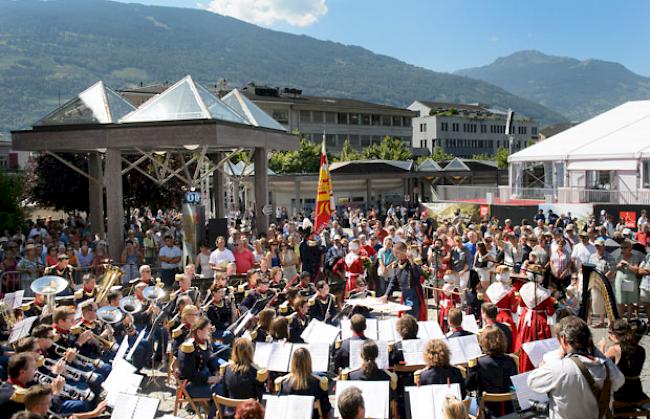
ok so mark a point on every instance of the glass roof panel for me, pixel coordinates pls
(218, 109)
(255, 115)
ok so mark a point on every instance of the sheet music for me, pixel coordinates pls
(355, 354)
(320, 356)
(21, 329)
(537, 348)
(469, 323)
(463, 349)
(132, 407)
(346, 332)
(124, 346)
(274, 356)
(440, 392)
(288, 407)
(8, 300)
(375, 397)
(413, 351)
(319, 332)
(243, 323)
(18, 299)
(524, 393)
(135, 345)
(386, 330)
(430, 330)
(421, 402)
(122, 379)
(371, 329)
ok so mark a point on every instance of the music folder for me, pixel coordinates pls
(538, 348)
(426, 402)
(524, 394)
(276, 356)
(463, 349)
(288, 407)
(135, 407)
(375, 397)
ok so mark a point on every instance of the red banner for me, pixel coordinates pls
(324, 205)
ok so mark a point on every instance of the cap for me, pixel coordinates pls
(337, 237)
(583, 234)
(599, 241)
(627, 232)
(62, 256)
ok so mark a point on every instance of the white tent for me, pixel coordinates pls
(614, 140)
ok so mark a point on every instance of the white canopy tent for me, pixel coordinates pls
(616, 142)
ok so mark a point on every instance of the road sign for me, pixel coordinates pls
(268, 209)
(407, 198)
(192, 197)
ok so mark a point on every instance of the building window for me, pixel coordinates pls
(330, 140)
(281, 116)
(483, 129)
(397, 121)
(424, 143)
(533, 130)
(354, 140)
(354, 119)
(406, 121)
(342, 118)
(376, 120)
(423, 127)
(365, 140)
(454, 126)
(317, 117)
(444, 126)
(330, 117)
(385, 120)
(365, 119)
(305, 117)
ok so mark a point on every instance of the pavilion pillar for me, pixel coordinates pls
(369, 193)
(218, 189)
(96, 194)
(298, 206)
(261, 189)
(114, 202)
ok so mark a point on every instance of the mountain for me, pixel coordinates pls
(50, 50)
(576, 89)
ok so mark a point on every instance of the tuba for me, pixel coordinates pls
(130, 304)
(111, 278)
(109, 314)
(49, 286)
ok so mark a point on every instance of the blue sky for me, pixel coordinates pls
(450, 35)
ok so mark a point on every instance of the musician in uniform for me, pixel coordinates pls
(34, 308)
(298, 320)
(342, 355)
(286, 308)
(87, 291)
(454, 320)
(125, 327)
(94, 348)
(145, 277)
(369, 370)
(185, 288)
(181, 302)
(407, 277)
(221, 313)
(64, 270)
(241, 378)
(189, 316)
(262, 333)
(304, 286)
(300, 381)
(322, 306)
(194, 363)
(255, 300)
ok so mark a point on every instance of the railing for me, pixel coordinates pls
(559, 195)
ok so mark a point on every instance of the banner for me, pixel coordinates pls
(324, 196)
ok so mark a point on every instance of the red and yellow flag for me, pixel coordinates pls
(324, 205)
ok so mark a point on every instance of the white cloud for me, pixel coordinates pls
(269, 12)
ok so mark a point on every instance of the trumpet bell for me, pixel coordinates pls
(49, 285)
(109, 314)
(130, 304)
(153, 293)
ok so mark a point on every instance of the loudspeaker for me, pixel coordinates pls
(217, 227)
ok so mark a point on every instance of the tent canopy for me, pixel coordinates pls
(620, 134)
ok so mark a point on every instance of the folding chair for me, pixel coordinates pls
(493, 397)
(220, 402)
(182, 397)
(632, 410)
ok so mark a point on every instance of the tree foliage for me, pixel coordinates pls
(11, 193)
(388, 149)
(482, 156)
(501, 157)
(304, 160)
(348, 153)
(439, 155)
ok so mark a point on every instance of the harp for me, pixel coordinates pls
(592, 277)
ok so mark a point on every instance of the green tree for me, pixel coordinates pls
(304, 160)
(11, 193)
(482, 156)
(388, 149)
(501, 157)
(347, 152)
(440, 155)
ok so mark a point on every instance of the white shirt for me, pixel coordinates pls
(169, 252)
(220, 256)
(568, 391)
(581, 253)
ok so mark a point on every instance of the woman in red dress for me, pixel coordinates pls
(502, 294)
(537, 307)
(354, 267)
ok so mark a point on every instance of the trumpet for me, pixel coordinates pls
(105, 344)
(72, 373)
(68, 391)
(79, 359)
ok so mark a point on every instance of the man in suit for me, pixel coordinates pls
(342, 355)
(455, 319)
(489, 313)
